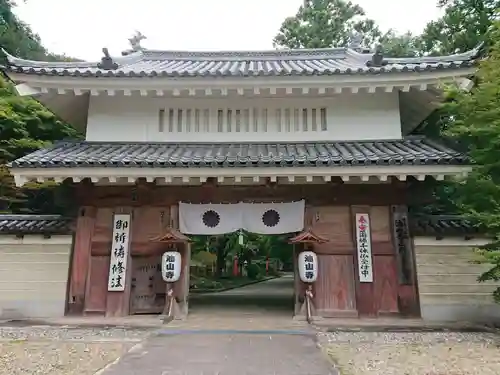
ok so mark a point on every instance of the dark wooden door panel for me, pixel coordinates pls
(386, 284)
(147, 295)
(334, 290)
(97, 285)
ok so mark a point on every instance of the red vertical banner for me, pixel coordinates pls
(235, 266)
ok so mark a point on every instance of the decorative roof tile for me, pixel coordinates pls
(409, 151)
(299, 62)
(34, 224)
(443, 225)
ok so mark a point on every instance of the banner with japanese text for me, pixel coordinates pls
(119, 252)
(364, 248)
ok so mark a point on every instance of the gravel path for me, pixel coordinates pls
(443, 353)
(47, 350)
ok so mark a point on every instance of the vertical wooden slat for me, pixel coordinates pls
(409, 303)
(279, 118)
(246, 120)
(296, 120)
(314, 119)
(288, 120)
(264, 120)
(81, 259)
(179, 121)
(188, 120)
(206, 120)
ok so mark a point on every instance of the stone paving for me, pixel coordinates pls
(225, 354)
(233, 340)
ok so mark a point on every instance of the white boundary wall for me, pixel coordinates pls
(447, 281)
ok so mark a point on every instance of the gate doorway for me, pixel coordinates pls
(242, 273)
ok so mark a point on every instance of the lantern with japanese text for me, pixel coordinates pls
(308, 266)
(171, 264)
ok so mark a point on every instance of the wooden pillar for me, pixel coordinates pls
(181, 287)
(408, 300)
(298, 293)
(118, 303)
(81, 259)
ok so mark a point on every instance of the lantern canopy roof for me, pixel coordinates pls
(171, 235)
(308, 236)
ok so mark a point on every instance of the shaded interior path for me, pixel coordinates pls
(271, 296)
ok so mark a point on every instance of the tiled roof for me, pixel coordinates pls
(309, 62)
(34, 224)
(413, 150)
(443, 225)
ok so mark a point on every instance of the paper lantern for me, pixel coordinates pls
(308, 266)
(171, 264)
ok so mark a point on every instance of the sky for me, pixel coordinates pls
(82, 28)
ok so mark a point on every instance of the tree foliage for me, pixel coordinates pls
(326, 23)
(476, 124)
(25, 125)
(255, 248)
(464, 25)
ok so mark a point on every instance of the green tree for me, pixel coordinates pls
(25, 125)
(475, 122)
(464, 25)
(326, 23)
(401, 45)
(333, 23)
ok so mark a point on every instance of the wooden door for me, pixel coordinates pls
(148, 288)
(334, 290)
(97, 285)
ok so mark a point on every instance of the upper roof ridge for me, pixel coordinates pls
(120, 60)
(276, 54)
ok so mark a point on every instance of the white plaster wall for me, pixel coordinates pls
(33, 276)
(447, 282)
(349, 117)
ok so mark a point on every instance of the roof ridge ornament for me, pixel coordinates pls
(135, 41)
(377, 58)
(355, 41)
(107, 62)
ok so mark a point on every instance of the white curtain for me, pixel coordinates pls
(262, 218)
(274, 218)
(209, 219)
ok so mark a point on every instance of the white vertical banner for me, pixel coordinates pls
(364, 248)
(119, 252)
(273, 218)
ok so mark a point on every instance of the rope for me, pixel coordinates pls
(309, 296)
